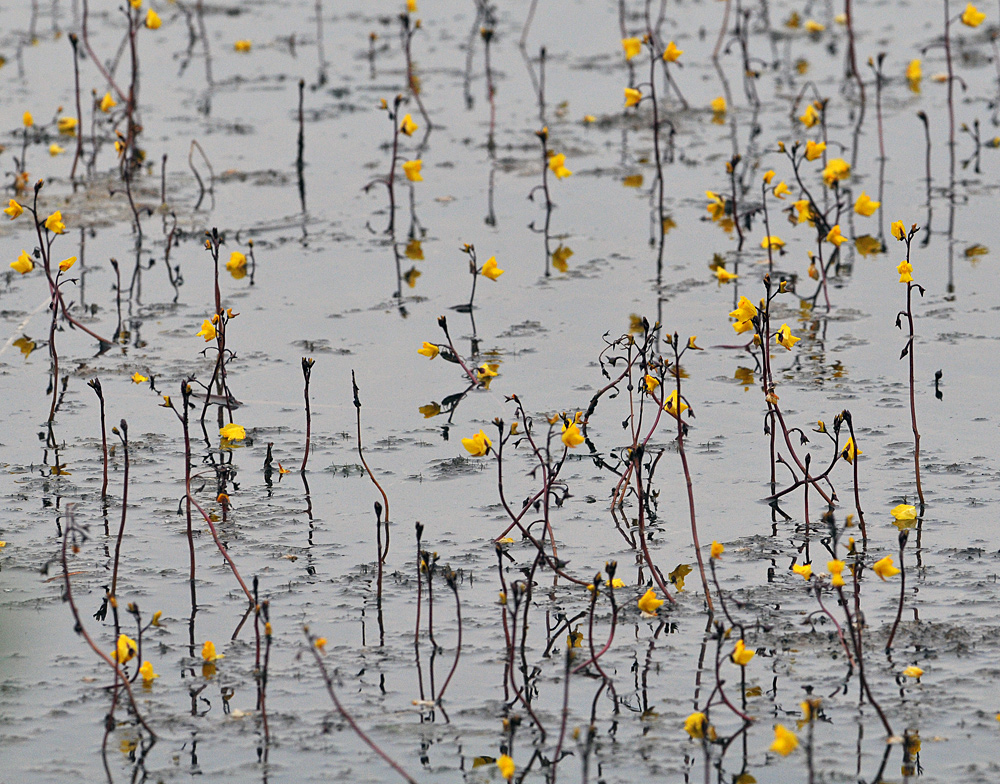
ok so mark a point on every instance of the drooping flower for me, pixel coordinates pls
(836, 568)
(672, 54)
(972, 16)
(809, 118)
(632, 47)
(429, 350)
(898, 230)
(152, 20)
(781, 190)
(478, 445)
(865, 206)
(835, 236)
(506, 766)
(13, 209)
(207, 331)
(904, 512)
(804, 210)
(771, 242)
(412, 170)
(147, 673)
(836, 169)
(785, 741)
(814, 150)
(65, 264)
(138, 378)
(557, 163)
(24, 264)
(850, 451)
(125, 650)
(741, 655)
(649, 603)
(784, 337)
(208, 653)
(718, 105)
(108, 103)
(571, 435)
(233, 432)
(242, 45)
(723, 275)
(885, 568)
(66, 125)
(54, 223)
(694, 725)
(717, 550)
(805, 570)
(913, 671)
(407, 126)
(651, 382)
(632, 97)
(905, 270)
(670, 405)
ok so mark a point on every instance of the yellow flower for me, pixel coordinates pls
(913, 671)
(835, 236)
(632, 97)
(813, 26)
(14, 209)
(430, 410)
(741, 655)
(804, 210)
(236, 261)
(618, 582)
(429, 350)
(898, 230)
(242, 45)
(914, 72)
(135, 3)
(207, 331)
(785, 338)
(55, 149)
(574, 639)
(972, 16)
(65, 264)
(558, 165)
(768, 176)
(651, 382)
(233, 432)
(155, 621)
(487, 370)
(66, 125)
(836, 169)
(814, 150)
(850, 452)
(108, 103)
(411, 6)
(670, 405)
(146, 671)
(723, 276)
(649, 603)
(208, 652)
(571, 435)
(809, 118)
(770, 241)
(836, 568)
(718, 105)
(560, 256)
(125, 650)
(490, 269)
(865, 206)
(744, 314)
(507, 767)
(589, 118)
(694, 725)
(717, 550)
(28, 120)
(478, 445)
(54, 223)
(672, 54)
(24, 264)
(806, 571)
(138, 378)
(716, 205)
(905, 270)
(785, 741)
(153, 20)
(407, 126)
(885, 568)
(412, 170)
(632, 47)
(904, 512)
(781, 190)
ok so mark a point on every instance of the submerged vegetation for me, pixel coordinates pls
(616, 532)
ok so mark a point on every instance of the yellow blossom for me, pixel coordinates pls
(152, 20)
(487, 370)
(813, 26)
(744, 314)
(718, 105)
(632, 97)
(781, 190)
(208, 653)
(55, 149)
(407, 126)
(65, 264)
(836, 169)
(716, 205)
(785, 741)
(904, 512)
(506, 766)
(972, 16)
(651, 382)
(138, 378)
(850, 452)
(54, 223)
(236, 261)
(914, 73)
(478, 445)
(768, 176)
(232, 432)
(571, 435)
(741, 655)
(589, 118)
(412, 170)
(207, 331)
(885, 568)
(694, 725)
(723, 276)
(670, 405)
(772, 242)
(672, 54)
(125, 650)
(717, 550)
(411, 6)
(810, 117)
(242, 45)
(618, 582)
(649, 603)
(13, 209)
(66, 125)
(24, 264)
(806, 571)
(913, 671)
(320, 644)
(429, 350)
(27, 120)
(155, 621)
(784, 337)
(560, 256)
(430, 410)
(557, 163)
(632, 47)
(865, 206)
(108, 103)
(836, 568)
(898, 230)
(146, 671)
(835, 236)
(905, 270)
(804, 210)
(814, 150)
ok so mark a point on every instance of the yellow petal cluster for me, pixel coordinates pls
(478, 445)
